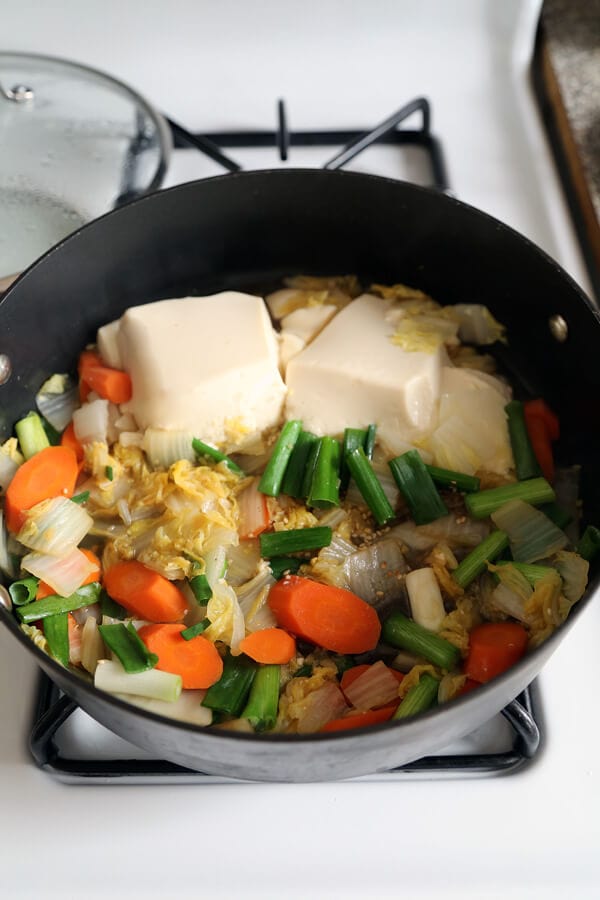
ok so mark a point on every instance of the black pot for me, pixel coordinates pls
(246, 232)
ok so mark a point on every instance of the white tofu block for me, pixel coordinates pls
(108, 344)
(306, 323)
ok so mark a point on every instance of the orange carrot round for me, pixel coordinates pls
(360, 719)
(68, 439)
(272, 646)
(44, 590)
(144, 592)
(197, 661)
(329, 617)
(50, 473)
(493, 648)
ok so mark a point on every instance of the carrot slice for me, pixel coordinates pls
(360, 719)
(538, 409)
(272, 646)
(350, 676)
(50, 473)
(87, 359)
(44, 590)
(329, 617)
(493, 648)
(144, 592)
(542, 447)
(197, 661)
(110, 384)
(68, 439)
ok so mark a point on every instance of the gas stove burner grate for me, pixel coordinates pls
(53, 710)
(352, 142)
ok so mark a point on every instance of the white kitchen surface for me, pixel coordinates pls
(535, 834)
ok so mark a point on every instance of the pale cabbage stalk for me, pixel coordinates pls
(514, 580)
(477, 325)
(426, 603)
(531, 534)
(509, 602)
(110, 676)
(90, 422)
(226, 617)
(574, 571)
(375, 687)
(242, 562)
(8, 467)
(187, 707)
(57, 400)
(163, 448)
(320, 707)
(55, 527)
(456, 533)
(253, 597)
(64, 575)
(6, 563)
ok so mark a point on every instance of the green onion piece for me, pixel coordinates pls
(324, 491)
(202, 449)
(201, 589)
(83, 497)
(278, 543)
(526, 463)
(109, 473)
(31, 435)
(128, 646)
(51, 433)
(556, 514)
(369, 445)
(353, 438)
(369, 486)
(532, 573)
(110, 607)
(402, 632)
(52, 606)
(23, 591)
(457, 480)
(589, 544)
(296, 467)
(311, 462)
(194, 630)
(417, 488)
(419, 698)
(305, 671)
(475, 563)
(229, 694)
(535, 491)
(56, 632)
(343, 663)
(270, 483)
(261, 708)
(282, 565)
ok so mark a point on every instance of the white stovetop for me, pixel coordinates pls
(222, 65)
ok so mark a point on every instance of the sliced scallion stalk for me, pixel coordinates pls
(475, 563)
(353, 438)
(202, 449)
(56, 632)
(419, 698)
(324, 491)
(201, 589)
(296, 467)
(270, 482)
(417, 488)
(108, 471)
(31, 435)
(526, 463)
(51, 433)
(278, 543)
(305, 671)
(52, 606)
(402, 632)
(369, 444)
(535, 491)
(589, 544)
(280, 565)
(194, 630)
(457, 480)
(261, 708)
(311, 461)
(128, 646)
(369, 486)
(23, 591)
(83, 497)
(230, 693)
(110, 607)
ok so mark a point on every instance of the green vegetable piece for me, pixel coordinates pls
(23, 591)
(311, 462)
(417, 488)
(277, 543)
(128, 646)
(263, 702)
(402, 632)
(369, 444)
(272, 477)
(51, 433)
(296, 467)
(110, 607)
(202, 449)
(194, 630)
(353, 438)
(343, 663)
(52, 606)
(456, 480)
(475, 563)
(56, 632)
(589, 544)
(31, 435)
(305, 671)
(531, 572)
(526, 463)
(369, 486)
(535, 491)
(281, 565)
(83, 497)
(420, 697)
(109, 473)
(324, 491)
(229, 694)
(201, 589)
(556, 514)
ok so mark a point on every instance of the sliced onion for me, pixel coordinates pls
(376, 573)
(426, 603)
(92, 645)
(55, 527)
(57, 400)
(375, 687)
(163, 448)
(320, 707)
(90, 422)
(74, 641)
(64, 575)
(82, 615)
(8, 467)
